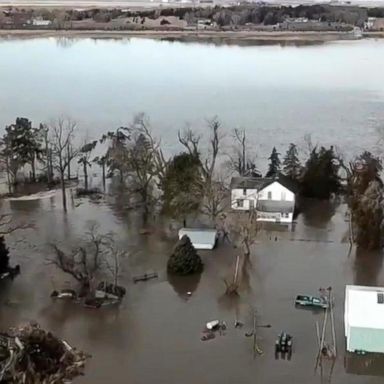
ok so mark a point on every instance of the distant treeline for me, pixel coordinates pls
(241, 15)
(222, 16)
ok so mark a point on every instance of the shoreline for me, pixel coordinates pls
(194, 36)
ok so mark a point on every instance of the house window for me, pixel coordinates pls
(240, 203)
(251, 204)
(283, 196)
(244, 192)
(269, 195)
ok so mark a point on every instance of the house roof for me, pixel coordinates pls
(275, 206)
(248, 182)
(362, 307)
(260, 183)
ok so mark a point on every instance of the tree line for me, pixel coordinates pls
(195, 180)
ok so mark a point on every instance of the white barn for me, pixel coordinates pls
(273, 198)
(364, 318)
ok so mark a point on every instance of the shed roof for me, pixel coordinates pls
(362, 307)
(200, 238)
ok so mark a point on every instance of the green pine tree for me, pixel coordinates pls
(291, 163)
(274, 164)
(184, 259)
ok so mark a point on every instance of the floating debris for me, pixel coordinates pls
(145, 277)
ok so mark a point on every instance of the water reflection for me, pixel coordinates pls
(367, 267)
(184, 286)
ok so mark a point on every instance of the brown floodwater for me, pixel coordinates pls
(154, 336)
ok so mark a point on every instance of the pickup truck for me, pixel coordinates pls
(311, 301)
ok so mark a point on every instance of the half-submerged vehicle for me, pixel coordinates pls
(283, 345)
(311, 301)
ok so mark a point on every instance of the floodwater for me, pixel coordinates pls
(334, 91)
(154, 336)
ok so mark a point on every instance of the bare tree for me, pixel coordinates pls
(113, 262)
(241, 229)
(239, 159)
(216, 200)
(62, 133)
(210, 161)
(84, 262)
(190, 140)
(144, 160)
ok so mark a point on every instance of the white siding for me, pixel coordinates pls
(276, 191)
(247, 197)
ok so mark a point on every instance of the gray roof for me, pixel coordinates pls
(200, 236)
(249, 182)
(275, 206)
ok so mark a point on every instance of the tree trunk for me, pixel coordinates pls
(85, 176)
(63, 191)
(33, 166)
(69, 161)
(103, 169)
(8, 177)
(121, 175)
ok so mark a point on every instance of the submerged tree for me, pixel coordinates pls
(62, 132)
(182, 186)
(365, 200)
(274, 164)
(24, 144)
(184, 259)
(84, 159)
(96, 255)
(368, 217)
(291, 164)
(321, 174)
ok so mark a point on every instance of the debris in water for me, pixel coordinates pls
(212, 325)
(208, 336)
(145, 277)
(31, 355)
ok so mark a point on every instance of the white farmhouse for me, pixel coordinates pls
(364, 318)
(273, 198)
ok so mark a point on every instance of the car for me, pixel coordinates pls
(283, 345)
(312, 301)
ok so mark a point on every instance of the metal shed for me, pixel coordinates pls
(364, 318)
(200, 238)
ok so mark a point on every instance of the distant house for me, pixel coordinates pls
(272, 198)
(374, 24)
(39, 22)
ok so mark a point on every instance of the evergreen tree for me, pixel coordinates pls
(274, 165)
(25, 143)
(365, 200)
(4, 256)
(368, 217)
(321, 177)
(182, 186)
(184, 259)
(291, 163)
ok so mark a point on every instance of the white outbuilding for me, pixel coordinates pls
(364, 318)
(200, 238)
